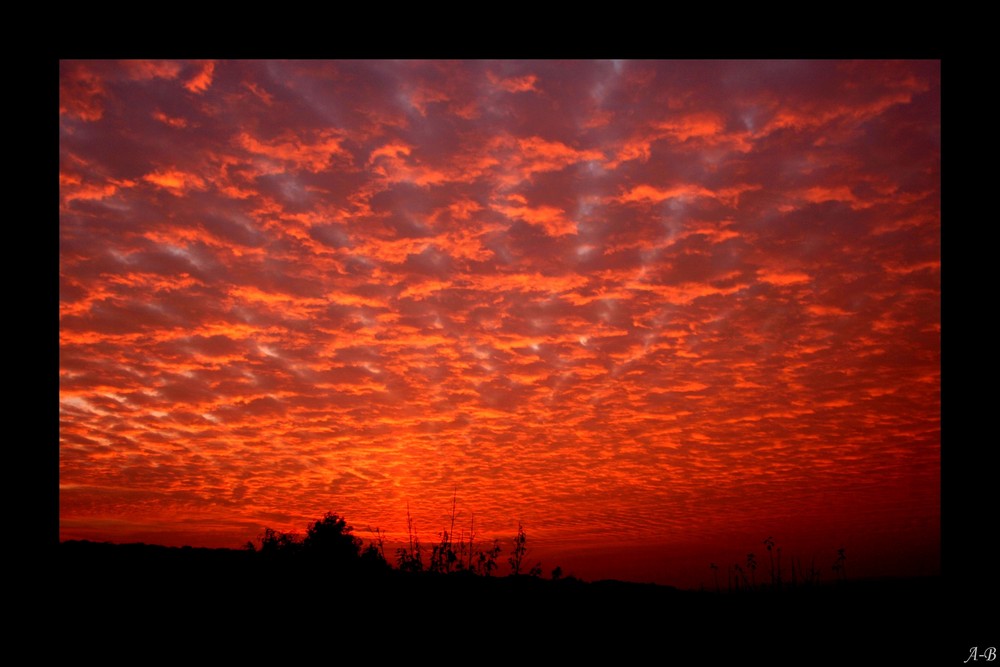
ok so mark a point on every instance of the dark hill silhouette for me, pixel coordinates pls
(148, 591)
(285, 591)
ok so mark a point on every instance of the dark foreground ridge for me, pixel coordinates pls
(239, 604)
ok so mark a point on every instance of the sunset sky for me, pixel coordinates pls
(656, 311)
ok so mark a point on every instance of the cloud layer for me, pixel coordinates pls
(632, 304)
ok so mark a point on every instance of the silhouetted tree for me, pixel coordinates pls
(778, 550)
(752, 566)
(516, 558)
(741, 577)
(472, 536)
(487, 561)
(372, 559)
(840, 565)
(443, 557)
(769, 543)
(410, 559)
(813, 572)
(330, 539)
(806, 577)
(450, 557)
(461, 553)
(378, 542)
(275, 544)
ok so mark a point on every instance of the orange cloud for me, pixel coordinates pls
(685, 292)
(540, 155)
(599, 119)
(699, 131)
(553, 220)
(177, 182)
(264, 96)
(422, 289)
(141, 70)
(154, 282)
(393, 162)
(635, 149)
(390, 162)
(714, 233)
(200, 82)
(423, 96)
(906, 269)
(313, 156)
(782, 277)
(816, 309)
(687, 387)
(392, 150)
(348, 299)
(393, 251)
(806, 115)
(169, 120)
(81, 92)
(516, 84)
(602, 294)
(525, 282)
(696, 125)
(464, 208)
(819, 194)
(465, 244)
(72, 188)
(654, 195)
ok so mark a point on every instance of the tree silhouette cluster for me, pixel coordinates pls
(330, 541)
